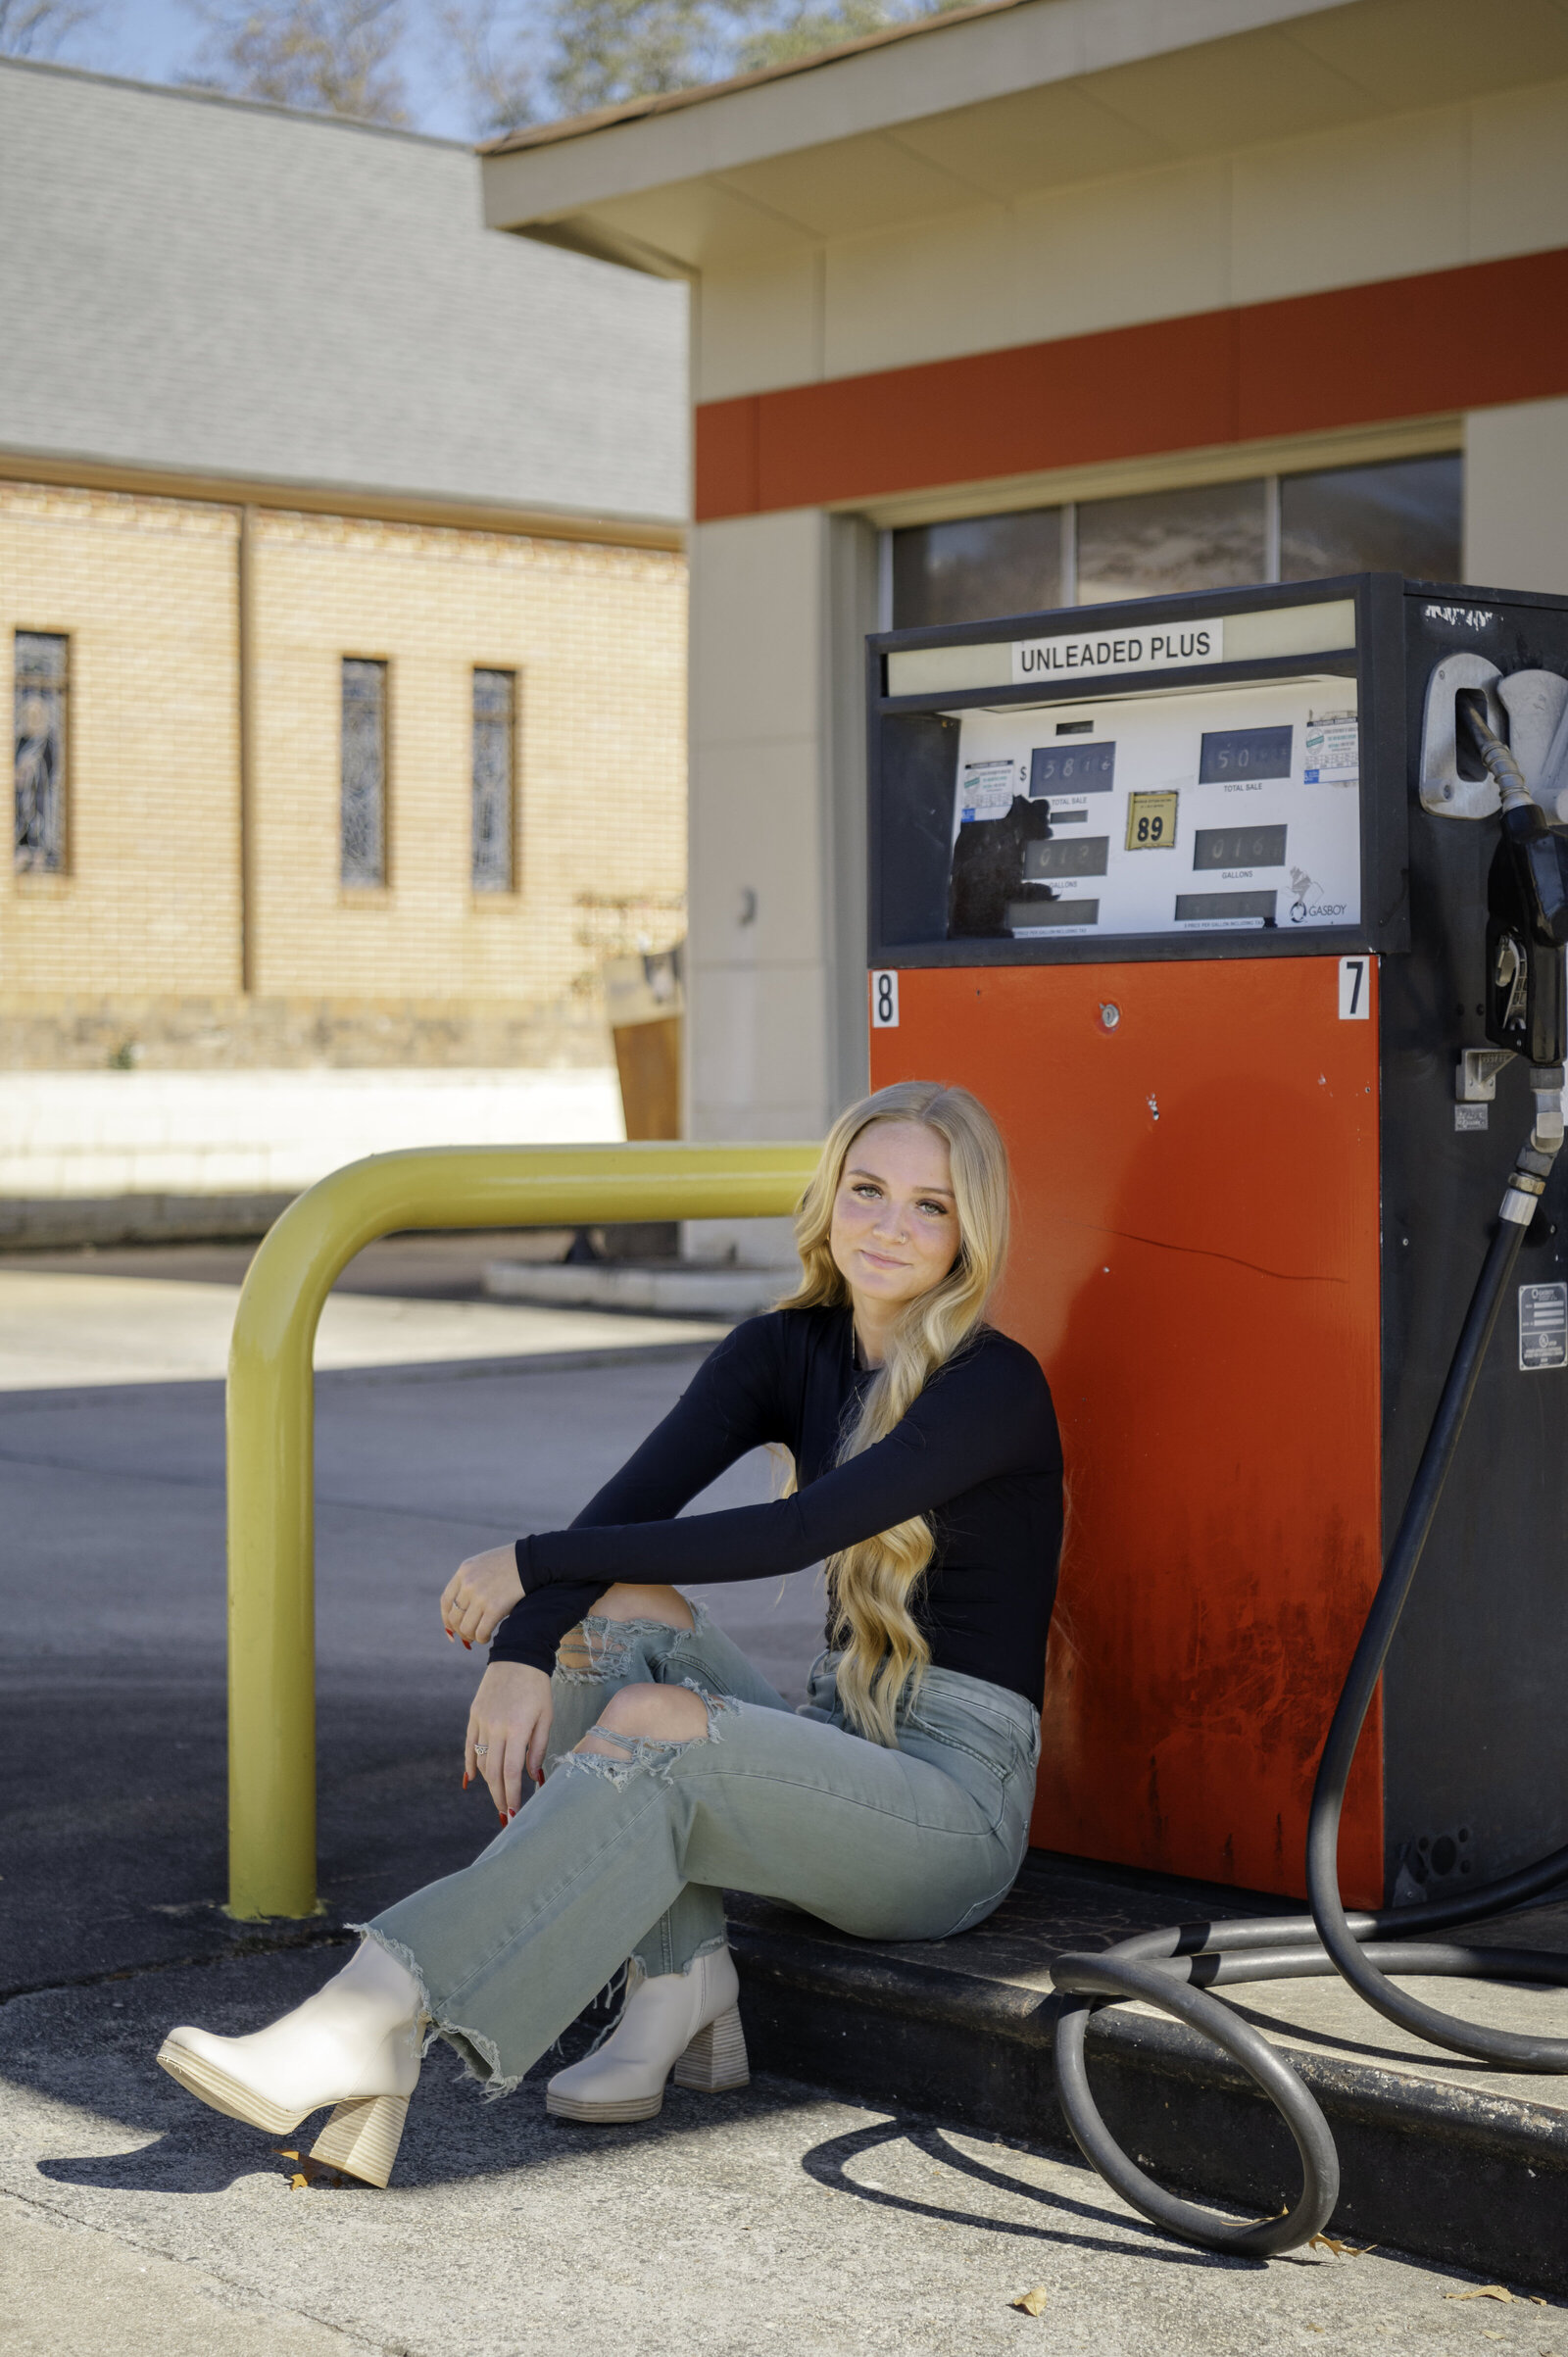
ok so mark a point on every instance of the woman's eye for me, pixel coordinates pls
(934, 1211)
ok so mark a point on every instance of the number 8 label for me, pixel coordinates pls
(885, 1000)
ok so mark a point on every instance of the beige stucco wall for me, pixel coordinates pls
(139, 944)
(1424, 190)
(1516, 497)
(780, 604)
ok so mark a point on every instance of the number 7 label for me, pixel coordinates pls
(1355, 989)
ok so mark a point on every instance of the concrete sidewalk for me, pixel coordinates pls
(61, 1332)
(735, 2226)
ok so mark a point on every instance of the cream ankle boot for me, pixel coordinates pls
(355, 2044)
(689, 2019)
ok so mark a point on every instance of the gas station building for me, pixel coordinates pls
(1045, 302)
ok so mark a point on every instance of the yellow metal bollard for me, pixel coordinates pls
(271, 1529)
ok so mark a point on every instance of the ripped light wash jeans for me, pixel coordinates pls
(630, 1855)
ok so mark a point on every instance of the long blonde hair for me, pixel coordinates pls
(873, 1584)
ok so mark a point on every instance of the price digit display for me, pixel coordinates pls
(1078, 856)
(1151, 821)
(1072, 770)
(1239, 847)
(1237, 755)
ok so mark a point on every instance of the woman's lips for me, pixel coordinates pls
(880, 1259)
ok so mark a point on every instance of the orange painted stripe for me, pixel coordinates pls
(1460, 339)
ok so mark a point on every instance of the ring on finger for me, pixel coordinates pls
(480, 1751)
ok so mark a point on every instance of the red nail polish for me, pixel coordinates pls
(464, 1779)
(467, 1648)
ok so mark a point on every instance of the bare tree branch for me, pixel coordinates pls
(329, 57)
(609, 50)
(42, 28)
(494, 64)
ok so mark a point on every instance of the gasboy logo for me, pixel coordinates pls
(1309, 907)
(1170, 647)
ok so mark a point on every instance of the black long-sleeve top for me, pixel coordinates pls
(978, 1453)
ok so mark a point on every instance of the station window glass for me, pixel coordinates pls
(41, 680)
(491, 858)
(980, 564)
(1208, 536)
(1399, 518)
(363, 802)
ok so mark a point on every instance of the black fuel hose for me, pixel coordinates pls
(1174, 1969)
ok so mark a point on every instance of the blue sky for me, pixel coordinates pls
(157, 41)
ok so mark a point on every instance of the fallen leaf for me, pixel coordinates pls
(1483, 2291)
(284, 2154)
(1031, 2302)
(298, 2185)
(1341, 2250)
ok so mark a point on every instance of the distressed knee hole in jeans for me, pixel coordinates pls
(653, 1755)
(603, 1651)
(596, 1653)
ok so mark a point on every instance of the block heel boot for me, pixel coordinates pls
(355, 2045)
(686, 2022)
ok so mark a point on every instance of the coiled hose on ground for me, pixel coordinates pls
(1174, 1969)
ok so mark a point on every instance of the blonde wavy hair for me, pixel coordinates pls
(872, 1586)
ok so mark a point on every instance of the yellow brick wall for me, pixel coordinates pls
(142, 938)
(596, 637)
(146, 590)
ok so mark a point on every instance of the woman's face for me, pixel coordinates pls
(895, 1231)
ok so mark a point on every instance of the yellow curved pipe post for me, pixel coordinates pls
(271, 1536)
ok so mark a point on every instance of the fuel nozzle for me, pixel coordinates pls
(1527, 916)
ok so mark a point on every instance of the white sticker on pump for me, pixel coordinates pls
(1332, 751)
(1356, 990)
(1542, 1327)
(885, 1000)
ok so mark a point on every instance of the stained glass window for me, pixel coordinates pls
(363, 805)
(494, 723)
(41, 686)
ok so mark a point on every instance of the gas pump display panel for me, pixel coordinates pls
(1163, 786)
(1233, 810)
(1230, 939)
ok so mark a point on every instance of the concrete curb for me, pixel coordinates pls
(1466, 2178)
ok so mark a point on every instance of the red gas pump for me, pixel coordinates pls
(1245, 913)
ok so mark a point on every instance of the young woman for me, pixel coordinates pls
(895, 1803)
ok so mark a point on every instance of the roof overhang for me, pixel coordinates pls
(988, 105)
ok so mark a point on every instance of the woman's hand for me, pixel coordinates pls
(509, 1730)
(480, 1593)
